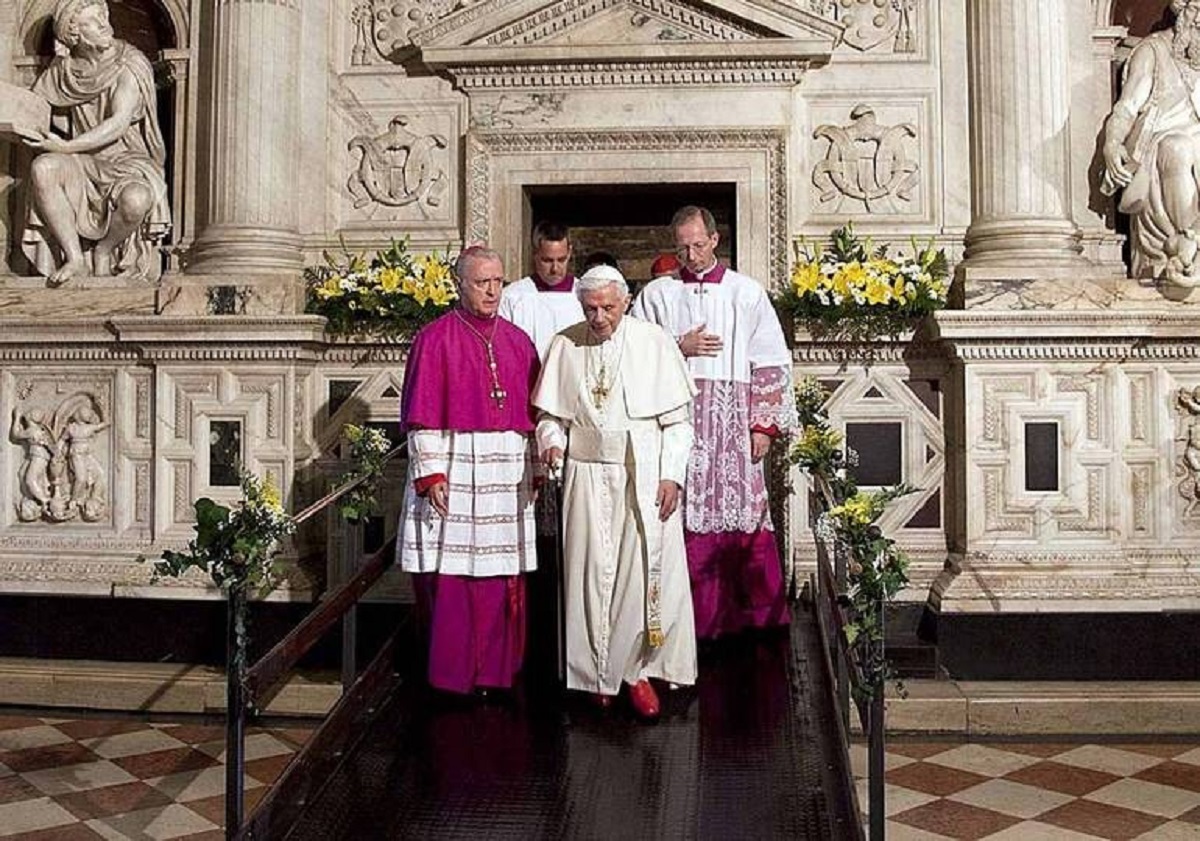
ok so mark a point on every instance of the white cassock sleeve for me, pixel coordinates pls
(550, 433)
(676, 444)
(429, 452)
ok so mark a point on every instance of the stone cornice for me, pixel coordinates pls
(775, 61)
(523, 21)
(1048, 335)
(1067, 324)
(126, 339)
(628, 74)
(216, 328)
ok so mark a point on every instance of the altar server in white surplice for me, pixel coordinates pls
(735, 348)
(614, 396)
(544, 302)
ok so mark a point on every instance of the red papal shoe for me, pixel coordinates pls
(644, 699)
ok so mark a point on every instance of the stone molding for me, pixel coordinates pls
(624, 74)
(461, 18)
(523, 23)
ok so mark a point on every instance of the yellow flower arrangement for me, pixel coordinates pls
(855, 289)
(392, 295)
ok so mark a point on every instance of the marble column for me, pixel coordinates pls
(1020, 140)
(248, 208)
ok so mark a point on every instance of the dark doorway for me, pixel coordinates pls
(630, 221)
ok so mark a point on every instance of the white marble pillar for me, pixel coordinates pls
(247, 209)
(1020, 141)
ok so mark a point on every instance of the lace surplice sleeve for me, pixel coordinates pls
(772, 401)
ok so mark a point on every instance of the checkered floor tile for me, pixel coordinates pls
(88, 778)
(62, 780)
(1013, 791)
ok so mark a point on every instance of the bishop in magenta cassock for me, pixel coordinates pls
(729, 332)
(467, 528)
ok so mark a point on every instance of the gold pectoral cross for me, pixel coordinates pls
(599, 394)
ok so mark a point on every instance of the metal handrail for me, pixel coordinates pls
(271, 668)
(247, 687)
(337, 493)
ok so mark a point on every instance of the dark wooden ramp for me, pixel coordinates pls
(751, 752)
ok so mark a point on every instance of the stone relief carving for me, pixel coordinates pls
(1151, 148)
(508, 111)
(866, 162)
(365, 51)
(1188, 401)
(98, 190)
(650, 21)
(61, 477)
(662, 32)
(870, 23)
(398, 168)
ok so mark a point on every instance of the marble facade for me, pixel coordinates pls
(296, 127)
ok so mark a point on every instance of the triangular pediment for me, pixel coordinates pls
(622, 23)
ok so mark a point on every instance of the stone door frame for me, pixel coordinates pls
(500, 165)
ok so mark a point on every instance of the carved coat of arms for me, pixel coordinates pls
(398, 167)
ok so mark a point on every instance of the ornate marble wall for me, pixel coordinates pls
(302, 126)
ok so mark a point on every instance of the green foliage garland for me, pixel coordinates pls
(877, 568)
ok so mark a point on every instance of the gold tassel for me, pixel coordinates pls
(655, 638)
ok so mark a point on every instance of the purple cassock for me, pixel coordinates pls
(476, 619)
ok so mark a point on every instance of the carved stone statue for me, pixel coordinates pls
(1152, 149)
(98, 189)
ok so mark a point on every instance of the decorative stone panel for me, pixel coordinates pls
(898, 386)
(1117, 531)
(396, 164)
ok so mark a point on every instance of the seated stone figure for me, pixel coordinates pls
(1152, 150)
(101, 188)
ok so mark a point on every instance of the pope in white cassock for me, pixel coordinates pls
(614, 395)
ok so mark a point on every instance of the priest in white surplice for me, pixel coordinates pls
(614, 395)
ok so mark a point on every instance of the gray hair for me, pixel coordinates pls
(599, 277)
(474, 252)
(689, 212)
